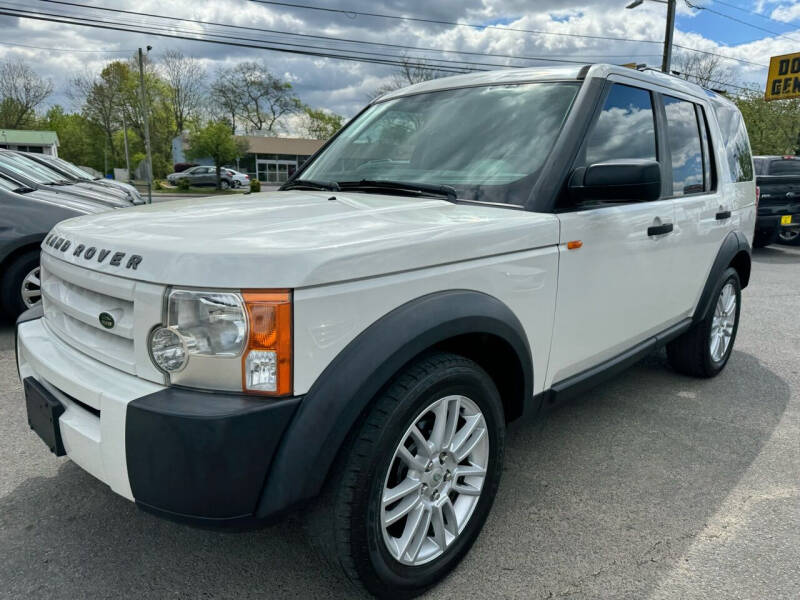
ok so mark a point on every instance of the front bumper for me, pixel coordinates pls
(184, 453)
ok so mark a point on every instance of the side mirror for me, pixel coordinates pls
(617, 181)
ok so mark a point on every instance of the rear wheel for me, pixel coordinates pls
(704, 350)
(21, 285)
(790, 237)
(413, 490)
(224, 184)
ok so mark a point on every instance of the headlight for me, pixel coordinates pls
(204, 330)
(211, 323)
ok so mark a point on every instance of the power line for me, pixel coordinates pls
(242, 27)
(482, 27)
(395, 61)
(16, 45)
(128, 29)
(729, 17)
(453, 23)
(709, 53)
(337, 39)
(752, 12)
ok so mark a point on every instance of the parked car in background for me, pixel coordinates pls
(778, 181)
(202, 175)
(38, 176)
(75, 173)
(239, 179)
(26, 215)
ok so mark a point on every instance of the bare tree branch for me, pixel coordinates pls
(184, 76)
(22, 90)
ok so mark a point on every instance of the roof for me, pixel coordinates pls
(531, 74)
(278, 145)
(501, 76)
(26, 137)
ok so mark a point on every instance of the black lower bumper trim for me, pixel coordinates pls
(201, 456)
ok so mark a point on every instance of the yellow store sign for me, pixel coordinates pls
(783, 79)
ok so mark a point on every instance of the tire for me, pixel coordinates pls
(224, 184)
(693, 353)
(789, 237)
(11, 292)
(763, 239)
(348, 523)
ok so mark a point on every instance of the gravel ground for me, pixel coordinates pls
(650, 486)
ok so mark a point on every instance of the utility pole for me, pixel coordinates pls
(145, 119)
(665, 62)
(667, 58)
(125, 138)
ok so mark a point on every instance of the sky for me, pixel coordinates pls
(63, 51)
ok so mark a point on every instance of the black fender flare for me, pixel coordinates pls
(732, 245)
(349, 383)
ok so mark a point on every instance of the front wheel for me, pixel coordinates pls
(704, 350)
(415, 486)
(224, 185)
(21, 286)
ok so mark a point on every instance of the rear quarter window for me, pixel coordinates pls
(735, 142)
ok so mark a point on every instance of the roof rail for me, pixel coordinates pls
(676, 75)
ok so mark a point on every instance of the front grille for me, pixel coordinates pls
(73, 299)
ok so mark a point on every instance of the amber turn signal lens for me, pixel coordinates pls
(267, 359)
(574, 245)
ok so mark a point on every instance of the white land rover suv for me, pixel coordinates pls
(465, 252)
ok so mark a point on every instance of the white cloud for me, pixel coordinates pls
(344, 87)
(786, 13)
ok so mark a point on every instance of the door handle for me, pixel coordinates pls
(659, 229)
(722, 215)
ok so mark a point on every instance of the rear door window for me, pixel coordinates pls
(685, 146)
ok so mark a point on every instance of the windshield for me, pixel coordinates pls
(71, 169)
(489, 143)
(29, 169)
(11, 186)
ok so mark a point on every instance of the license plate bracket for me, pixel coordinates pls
(44, 409)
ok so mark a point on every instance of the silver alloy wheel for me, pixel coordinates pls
(723, 322)
(788, 235)
(32, 288)
(435, 480)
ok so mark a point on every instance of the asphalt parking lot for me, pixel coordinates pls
(651, 486)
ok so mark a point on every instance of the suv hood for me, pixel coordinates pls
(295, 239)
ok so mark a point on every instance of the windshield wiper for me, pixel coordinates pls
(313, 184)
(24, 190)
(412, 187)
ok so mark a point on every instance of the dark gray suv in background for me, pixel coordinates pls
(26, 215)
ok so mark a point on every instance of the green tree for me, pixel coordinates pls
(216, 141)
(319, 124)
(773, 127)
(81, 141)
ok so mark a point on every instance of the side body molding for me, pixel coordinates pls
(733, 246)
(348, 384)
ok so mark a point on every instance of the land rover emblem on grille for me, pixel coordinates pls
(106, 320)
